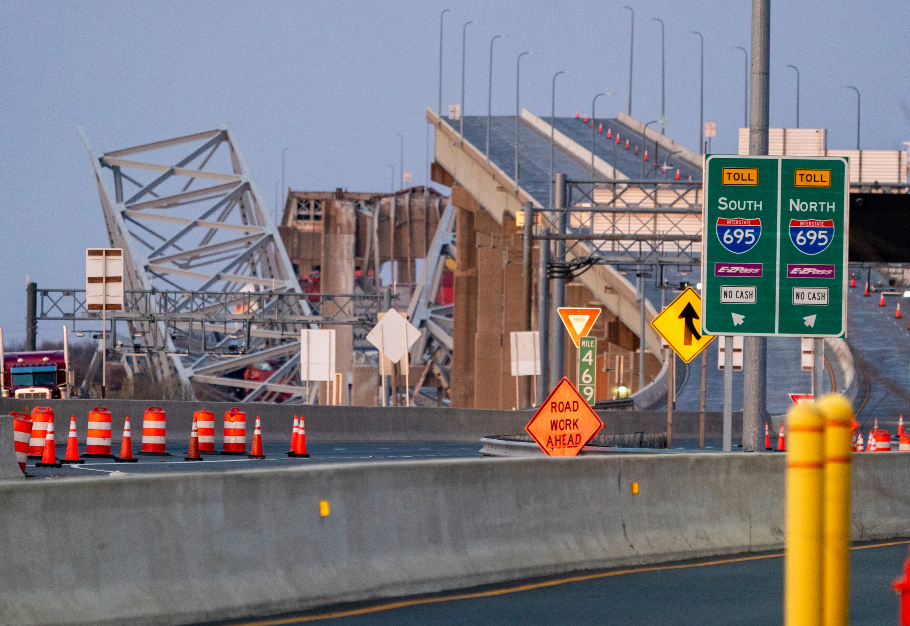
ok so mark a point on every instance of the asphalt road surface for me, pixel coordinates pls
(274, 452)
(742, 590)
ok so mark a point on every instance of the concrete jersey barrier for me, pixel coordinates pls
(174, 549)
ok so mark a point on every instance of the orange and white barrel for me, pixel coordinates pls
(234, 432)
(154, 431)
(22, 425)
(904, 444)
(98, 433)
(41, 417)
(205, 429)
(882, 441)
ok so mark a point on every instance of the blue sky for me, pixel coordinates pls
(334, 83)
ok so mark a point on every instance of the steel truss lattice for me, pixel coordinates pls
(628, 221)
(191, 221)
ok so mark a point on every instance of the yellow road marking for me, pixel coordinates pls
(529, 587)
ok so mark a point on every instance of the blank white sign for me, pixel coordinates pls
(104, 279)
(525, 353)
(317, 355)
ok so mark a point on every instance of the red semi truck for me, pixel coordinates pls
(41, 374)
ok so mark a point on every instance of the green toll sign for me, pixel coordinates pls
(774, 246)
(587, 368)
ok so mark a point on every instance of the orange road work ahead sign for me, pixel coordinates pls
(578, 321)
(564, 423)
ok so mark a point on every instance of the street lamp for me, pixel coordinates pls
(464, 36)
(701, 120)
(797, 92)
(401, 161)
(283, 188)
(490, 95)
(746, 80)
(644, 136)
(662, 65)
(517, 114)
(860, 173)
(857, 111)
(552, 137)
(594, 131)
(441, 15)
(631, 49)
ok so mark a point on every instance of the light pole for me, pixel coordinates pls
(860, 175)
(490, 95)
(401, 161)
(441, 15)
(283, 188)
(392, 168)
(857, 111)
(517, 114)
(594, 132)
(663, 59)
(797, 92)
(644, 136)
(746, 96)
(701, 106)
(552, 137)
(631, 49)
(464, 36)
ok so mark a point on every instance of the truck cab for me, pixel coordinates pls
(41, 374)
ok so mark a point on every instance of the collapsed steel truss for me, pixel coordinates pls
(188, 215)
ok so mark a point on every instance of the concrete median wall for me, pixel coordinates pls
(173, 549)
(328, 424)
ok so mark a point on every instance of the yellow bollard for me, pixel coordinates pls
(838, 414)
(805, 481)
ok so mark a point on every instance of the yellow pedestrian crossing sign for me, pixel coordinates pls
(680, 325)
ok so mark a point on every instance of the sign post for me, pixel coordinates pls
(104, 292)
(774, 253)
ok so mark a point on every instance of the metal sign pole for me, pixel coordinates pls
(103, 323)
(818, 367)
(728, 394)
(755, 348)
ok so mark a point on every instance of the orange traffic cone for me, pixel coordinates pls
(859, 442)
(600, 129)
(577, 114)
(126, 444)
(853, 282)
(767, 438)
(294, 436)
(881, 301)
(781, 441)
(72, 445)
(617, 139)
(870, 442)
(609, 133)
(49, 458)
(866, 292)
(677, 173)
(300, 450)
(193, 453)
(586, 118)
(636, 150)
(256, 452)
(897, 312)
(646, 155)
(627, 144)
(900, 425)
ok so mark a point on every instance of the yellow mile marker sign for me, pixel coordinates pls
(680, 325)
